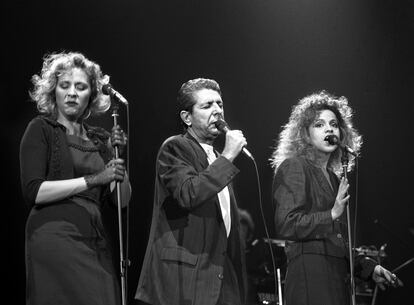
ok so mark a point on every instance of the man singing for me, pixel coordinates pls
(194, 254)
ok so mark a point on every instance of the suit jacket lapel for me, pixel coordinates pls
(201, 155)
(322, 180)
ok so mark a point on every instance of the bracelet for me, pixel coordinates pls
(88, 181)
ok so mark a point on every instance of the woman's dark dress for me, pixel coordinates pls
(68, 260)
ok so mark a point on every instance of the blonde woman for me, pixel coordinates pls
(66, 169)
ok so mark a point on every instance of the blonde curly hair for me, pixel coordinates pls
(292, 140)
(54, 65)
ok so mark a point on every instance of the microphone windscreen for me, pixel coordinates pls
(221, 125)
(332, 139)
(106, 89)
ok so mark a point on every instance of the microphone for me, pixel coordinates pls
(334, 140)
(108, 90)
(222, 126)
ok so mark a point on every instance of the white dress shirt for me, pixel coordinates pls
(223, 195)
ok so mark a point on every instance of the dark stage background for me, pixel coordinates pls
(266, 54)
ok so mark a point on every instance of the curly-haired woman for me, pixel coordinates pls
(67, 173)
(310, 198)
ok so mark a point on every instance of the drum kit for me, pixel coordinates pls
(266, 269)
(366, 291)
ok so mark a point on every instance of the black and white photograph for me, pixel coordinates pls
(221, 152)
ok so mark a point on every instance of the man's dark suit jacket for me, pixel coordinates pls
(187, 245)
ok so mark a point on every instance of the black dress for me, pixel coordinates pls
(68, 259)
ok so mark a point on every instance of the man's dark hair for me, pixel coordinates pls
(185, 96)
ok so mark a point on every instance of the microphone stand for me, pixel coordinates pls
(123, 261)
(279, 288)
(345, 161)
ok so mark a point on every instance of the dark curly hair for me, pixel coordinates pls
(292, 140)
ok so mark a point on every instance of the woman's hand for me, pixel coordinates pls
(118, 139)
(114, 171)
(341, 198)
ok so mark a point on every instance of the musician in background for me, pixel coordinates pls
(246, 226)
(310, 198)
(67, 173)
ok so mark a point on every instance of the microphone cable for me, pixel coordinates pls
(269, 242)
(356, 202)
(223, 127)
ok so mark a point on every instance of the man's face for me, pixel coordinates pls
(206, 110)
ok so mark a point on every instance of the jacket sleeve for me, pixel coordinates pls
(189, 187)
(294, 219)
(33, 160)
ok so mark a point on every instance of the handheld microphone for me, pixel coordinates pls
(334, 140)
(108, 90)
(222, 126)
